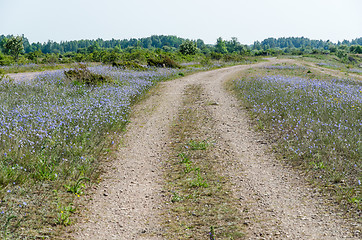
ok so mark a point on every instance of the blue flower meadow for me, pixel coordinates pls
(284, 67)
(318, 122)
(53, 132)
(50, 128)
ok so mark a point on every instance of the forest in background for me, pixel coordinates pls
(176, 48)
(173, 43)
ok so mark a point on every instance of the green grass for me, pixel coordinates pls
(333, 62)
(198, 145)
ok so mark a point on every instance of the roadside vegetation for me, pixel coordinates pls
(316, 122)
(55, 131)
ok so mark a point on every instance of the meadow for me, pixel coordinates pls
(333, 62)
(53, 134)
(316, 122)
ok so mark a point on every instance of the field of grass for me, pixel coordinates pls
(53, 135)
(316, 122)
(333, 62)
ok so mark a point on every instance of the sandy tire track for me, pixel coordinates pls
(26, 76)
(128, 202)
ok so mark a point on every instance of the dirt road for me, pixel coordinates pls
(128, 202)
(26, 76)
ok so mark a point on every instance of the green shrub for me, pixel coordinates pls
(3, 77)
(128, 65)
(110, 57)
(352, 59)
(163, 61)
(188, 48)
(206, 61)
(216, 55)
(6, 60)
(82, 75)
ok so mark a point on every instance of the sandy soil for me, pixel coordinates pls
(26, 76)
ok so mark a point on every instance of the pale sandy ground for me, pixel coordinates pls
(26, 76)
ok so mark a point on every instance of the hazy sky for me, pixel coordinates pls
(248, 20)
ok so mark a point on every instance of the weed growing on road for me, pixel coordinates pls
(5, 220)
(198, 145)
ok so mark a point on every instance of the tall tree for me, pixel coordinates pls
(14, 46)
(221, 46)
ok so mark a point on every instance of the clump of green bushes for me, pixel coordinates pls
(129, 65)
(82, 75)
(206, 61)
(6, 60)
(2, 74)
(162, 61)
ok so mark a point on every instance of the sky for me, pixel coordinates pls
(247, 20)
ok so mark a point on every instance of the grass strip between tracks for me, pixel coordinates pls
(201, 204)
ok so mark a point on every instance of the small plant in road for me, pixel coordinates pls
(198, 145)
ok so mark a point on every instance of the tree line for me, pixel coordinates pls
(170, 43)
(301, 42)
(155, 41)
(18, 49)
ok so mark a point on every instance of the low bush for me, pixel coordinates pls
(2, 74)
(128, 65)
(216, 56)
(82, 75)
(163, 61)
(6, 60)
(206, 61)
